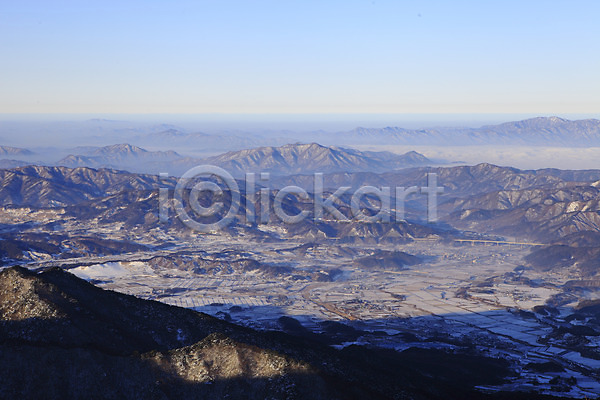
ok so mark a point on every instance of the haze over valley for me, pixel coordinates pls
(543, 142)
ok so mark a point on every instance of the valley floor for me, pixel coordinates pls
(463, 295)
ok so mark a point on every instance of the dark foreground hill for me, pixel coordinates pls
(62, 337)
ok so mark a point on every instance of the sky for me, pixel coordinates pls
(300, 57)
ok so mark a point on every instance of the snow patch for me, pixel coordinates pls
(100, 271)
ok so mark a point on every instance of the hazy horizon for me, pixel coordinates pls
(325, 122)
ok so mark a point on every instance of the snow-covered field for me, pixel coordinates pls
(112, 270)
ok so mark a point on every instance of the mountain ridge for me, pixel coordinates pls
(538, 131)
(290, 158)
(117, 156)
(14, 151)
(312, 157)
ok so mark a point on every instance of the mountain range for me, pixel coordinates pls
(541, 131)
(542, 213)
(312, 157)
(41, 186)
(119, 156)
(332, 151)
(287, 159)
(541, 205)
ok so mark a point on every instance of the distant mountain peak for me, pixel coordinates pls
(532, 125)
(118, 156)
(556, 119)
(552, 119)
(123, 148)
(312, 157)
(14, 151)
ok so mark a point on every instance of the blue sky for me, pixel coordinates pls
(270, 57)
